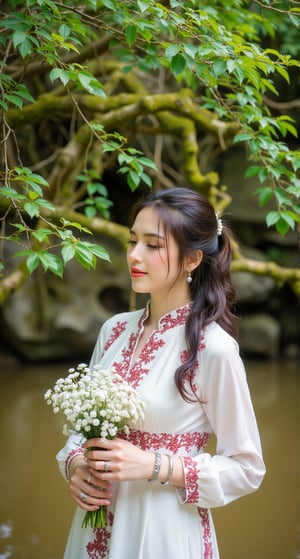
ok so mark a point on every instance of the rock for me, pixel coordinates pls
(251, 288)
(259, 334)
(50, 319)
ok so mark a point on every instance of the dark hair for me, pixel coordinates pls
(191, 220)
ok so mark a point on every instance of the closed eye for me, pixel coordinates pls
(154, 247)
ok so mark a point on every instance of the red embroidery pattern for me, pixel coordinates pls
(98, 548)
(191, 376)
(138, 371)
(155, 341)
(116, 332)
(173, 442)
(74, 452)
(207, 540)
(191, 479)
(169, 320)
(123, 366)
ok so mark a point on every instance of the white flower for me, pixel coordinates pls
(97, 402)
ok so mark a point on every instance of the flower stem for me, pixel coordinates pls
(95, 518)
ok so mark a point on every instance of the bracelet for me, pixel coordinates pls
(77, 452)
(171, 467)
(157, 465)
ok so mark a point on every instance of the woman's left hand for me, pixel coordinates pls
(118, 459)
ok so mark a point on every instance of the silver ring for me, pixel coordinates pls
(105, 466)
(83, 496)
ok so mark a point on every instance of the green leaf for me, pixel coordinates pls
(143, 4)
(25, 48)
(264, 195)
(19, 37)
(11, 193)
(242, 137)
(130, 34)
(64, 31)
(98, 251)
(23, 92)
(88, 82)
(90, 211)
(263, 174)
(111, 4)
(51, 262)
(283, 72)
(19, 226)
(287, 217)
(171, 51)
(177, 64)
(32, 209)
(67, 252)
(33, 261)
(252, 171)
(3, 105)
(282, 226)
(94, 187)
(281, 196)
(190, 50)
(219, 67)
(42, 235)
(148, 163)
(288, 127)
(272, 218)
(59, 74)
(84, 256)
(46, 204)
(15, 100)
(146, 179)
(133, 180)
(231, 65)
(32, 195)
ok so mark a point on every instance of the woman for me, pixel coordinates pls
(179, 352)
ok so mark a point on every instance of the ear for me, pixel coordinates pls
(194, 260)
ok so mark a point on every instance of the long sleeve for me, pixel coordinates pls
(237, 468)
(75, 440)
(72, 448)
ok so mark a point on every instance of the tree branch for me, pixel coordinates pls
(39, 67)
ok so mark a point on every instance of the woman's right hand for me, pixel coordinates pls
(87, 491)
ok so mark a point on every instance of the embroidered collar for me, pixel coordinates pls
(173, 318)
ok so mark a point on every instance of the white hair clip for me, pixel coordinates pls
(219, 225)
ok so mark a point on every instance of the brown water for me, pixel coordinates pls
(36, 511)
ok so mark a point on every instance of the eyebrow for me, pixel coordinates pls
(156, 235)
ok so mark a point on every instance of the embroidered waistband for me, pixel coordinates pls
(189, 442)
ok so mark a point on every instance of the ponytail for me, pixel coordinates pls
(214, 296)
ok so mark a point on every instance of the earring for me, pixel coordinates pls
(189, 278)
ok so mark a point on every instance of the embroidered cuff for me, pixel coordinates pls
(71, 455)
(189, 493)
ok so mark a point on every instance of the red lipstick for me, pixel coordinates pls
(136, 273)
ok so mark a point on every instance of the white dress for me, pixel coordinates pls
(155, 521)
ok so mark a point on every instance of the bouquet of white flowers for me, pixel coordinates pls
(96, 403)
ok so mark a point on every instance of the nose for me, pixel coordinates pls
(134, 253)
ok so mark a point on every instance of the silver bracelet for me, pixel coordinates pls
(157, 465)
(171, 467)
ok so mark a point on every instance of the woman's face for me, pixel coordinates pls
(152, 259)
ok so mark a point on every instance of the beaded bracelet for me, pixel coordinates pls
(171, 466)
(157, 465)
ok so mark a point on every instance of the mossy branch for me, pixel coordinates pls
(290, 276)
